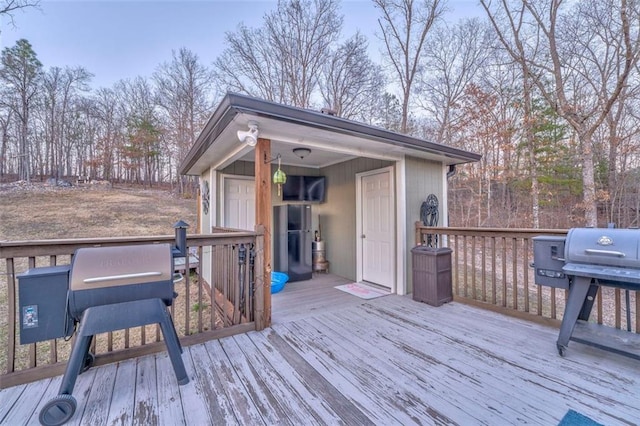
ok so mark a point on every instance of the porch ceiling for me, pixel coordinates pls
(331, 139)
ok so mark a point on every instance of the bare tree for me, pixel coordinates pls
(184, 91)
(63, 91)
(350, 80)
(405, 25)
(282, 61)
(249, 65)
(9, 7)
(453, 58)
(574, 44)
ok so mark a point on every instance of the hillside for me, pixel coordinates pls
(36, 211)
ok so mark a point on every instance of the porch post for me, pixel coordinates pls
(263, 220)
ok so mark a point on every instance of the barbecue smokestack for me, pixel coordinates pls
(180, 249)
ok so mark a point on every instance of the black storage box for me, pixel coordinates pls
(43, 304)
(432, 275)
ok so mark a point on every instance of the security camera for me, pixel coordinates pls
(249, 137)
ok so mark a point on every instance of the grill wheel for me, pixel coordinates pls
(58, 411)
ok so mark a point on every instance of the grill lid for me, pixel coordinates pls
(603, 246)
(99, 267)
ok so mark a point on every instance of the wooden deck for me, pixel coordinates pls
(331, 358)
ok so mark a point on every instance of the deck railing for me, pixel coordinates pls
(202, 311)
(491, 268)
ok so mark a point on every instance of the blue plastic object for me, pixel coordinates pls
(278, 280)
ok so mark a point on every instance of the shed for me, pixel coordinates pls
(375, 182)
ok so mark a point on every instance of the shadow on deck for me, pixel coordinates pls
(332, 358)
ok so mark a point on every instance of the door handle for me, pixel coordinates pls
(363, 236)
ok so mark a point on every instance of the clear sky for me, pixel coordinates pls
(117, 39)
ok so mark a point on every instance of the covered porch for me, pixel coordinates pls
(344, 360)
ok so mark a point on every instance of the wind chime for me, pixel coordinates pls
(279, 178)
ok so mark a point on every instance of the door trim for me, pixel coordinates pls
(359, 259)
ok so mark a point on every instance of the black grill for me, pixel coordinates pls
(582, 262)
(106, 289)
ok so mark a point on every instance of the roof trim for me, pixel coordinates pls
(233, 104)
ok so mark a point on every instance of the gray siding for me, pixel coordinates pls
(337, 216)
(422, 178)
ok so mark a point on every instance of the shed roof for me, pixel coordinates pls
(332, 139)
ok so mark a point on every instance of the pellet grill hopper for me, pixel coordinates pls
(585, 260)
(104, 289)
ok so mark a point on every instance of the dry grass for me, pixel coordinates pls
(37, 212)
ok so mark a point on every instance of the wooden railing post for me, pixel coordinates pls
(259, 314)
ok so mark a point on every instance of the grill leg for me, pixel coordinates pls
(173, 345)
(577, 295)
(76, 363)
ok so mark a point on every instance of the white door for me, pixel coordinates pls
(378, 254)
(239, 204)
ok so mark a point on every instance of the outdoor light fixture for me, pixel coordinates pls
(249, 137)
(301, 152)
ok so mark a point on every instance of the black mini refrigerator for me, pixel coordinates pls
(292, 242)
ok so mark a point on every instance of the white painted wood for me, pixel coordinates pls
(417, 369)
(194, 403)
(318, 351)
(8, 397)
(230, 385)
(377, 224)
(99, 399)
(220, 409)
(295, 383)
(383, 361)
(121, 409)
(239, 211)
(24, 410)
(81, 392)
(257, 391)
(169, 404)
(52, 390)
(403, 232)
(263, 384)
(145, 408)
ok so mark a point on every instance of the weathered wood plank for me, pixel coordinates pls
(122, 401)
(346, 374)
(260, 382)
(8, 397)
(81, 392)
(330, 404)
(99, 400)
(384, 361)
(231, 387)
(169, 403)
(459, 393)
(191, 396)
(208, 387)
(146, 397)
(554, 381)
(31, 395)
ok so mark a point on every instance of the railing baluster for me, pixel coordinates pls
(525, 269)
(494, 289)
(466, 265)
(617, 300)
(484, 269)
(473, 268)
(514, 272)
(504, 271)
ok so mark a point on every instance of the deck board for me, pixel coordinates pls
(337, 359)
(169, 404)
